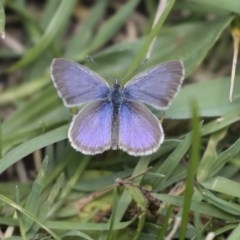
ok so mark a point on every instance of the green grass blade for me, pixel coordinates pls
(221, 123)
(33, 200)
(29, 88)
(71, 182)
(111, 233)
(77, 235)
(145, 47)
(209, 156)
(32, 145)
(29, 215)
(170, 164)
(199, 207)
(165, 223)
(125, 199)
(76, 225)
(193, 162)
(109, 29)
(32, 26)
(224, 157)
(80, 40)
(1, 144)
(48, 12)
(226, 206)
(61, 16)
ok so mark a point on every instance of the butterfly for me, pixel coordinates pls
(115, 117)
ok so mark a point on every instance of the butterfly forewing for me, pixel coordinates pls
(140, 132)
(90, 130)
(77, 84)
(157, 85)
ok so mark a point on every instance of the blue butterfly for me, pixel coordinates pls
(115, 116)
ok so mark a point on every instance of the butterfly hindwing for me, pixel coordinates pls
(140, 132)
(77, 84)
(90, 130)
(157, 85)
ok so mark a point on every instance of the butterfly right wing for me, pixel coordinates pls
(140, 132)
(156, 86)
(77, 84)
(90, 130)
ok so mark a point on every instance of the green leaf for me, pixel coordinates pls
(221, 184)
(229, 5)
(235, 233)
(212, 98)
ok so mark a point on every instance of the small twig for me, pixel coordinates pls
(211, 236)
(10, 230)
(21, 171)
(236, 42)
(161, 6)
(176, 225)
(12, 43)
(83, 201)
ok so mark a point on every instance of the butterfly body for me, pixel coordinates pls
(115, 117)
(116, 99)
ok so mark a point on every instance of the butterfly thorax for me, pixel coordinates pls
(116, 95)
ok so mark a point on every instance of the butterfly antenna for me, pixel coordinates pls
(90, 59)
(99, 67)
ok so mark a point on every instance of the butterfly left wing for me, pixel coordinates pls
(140, 132)
(157, 85)
(77, 84)
(90, 130)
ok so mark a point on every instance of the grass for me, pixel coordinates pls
(50, 191)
